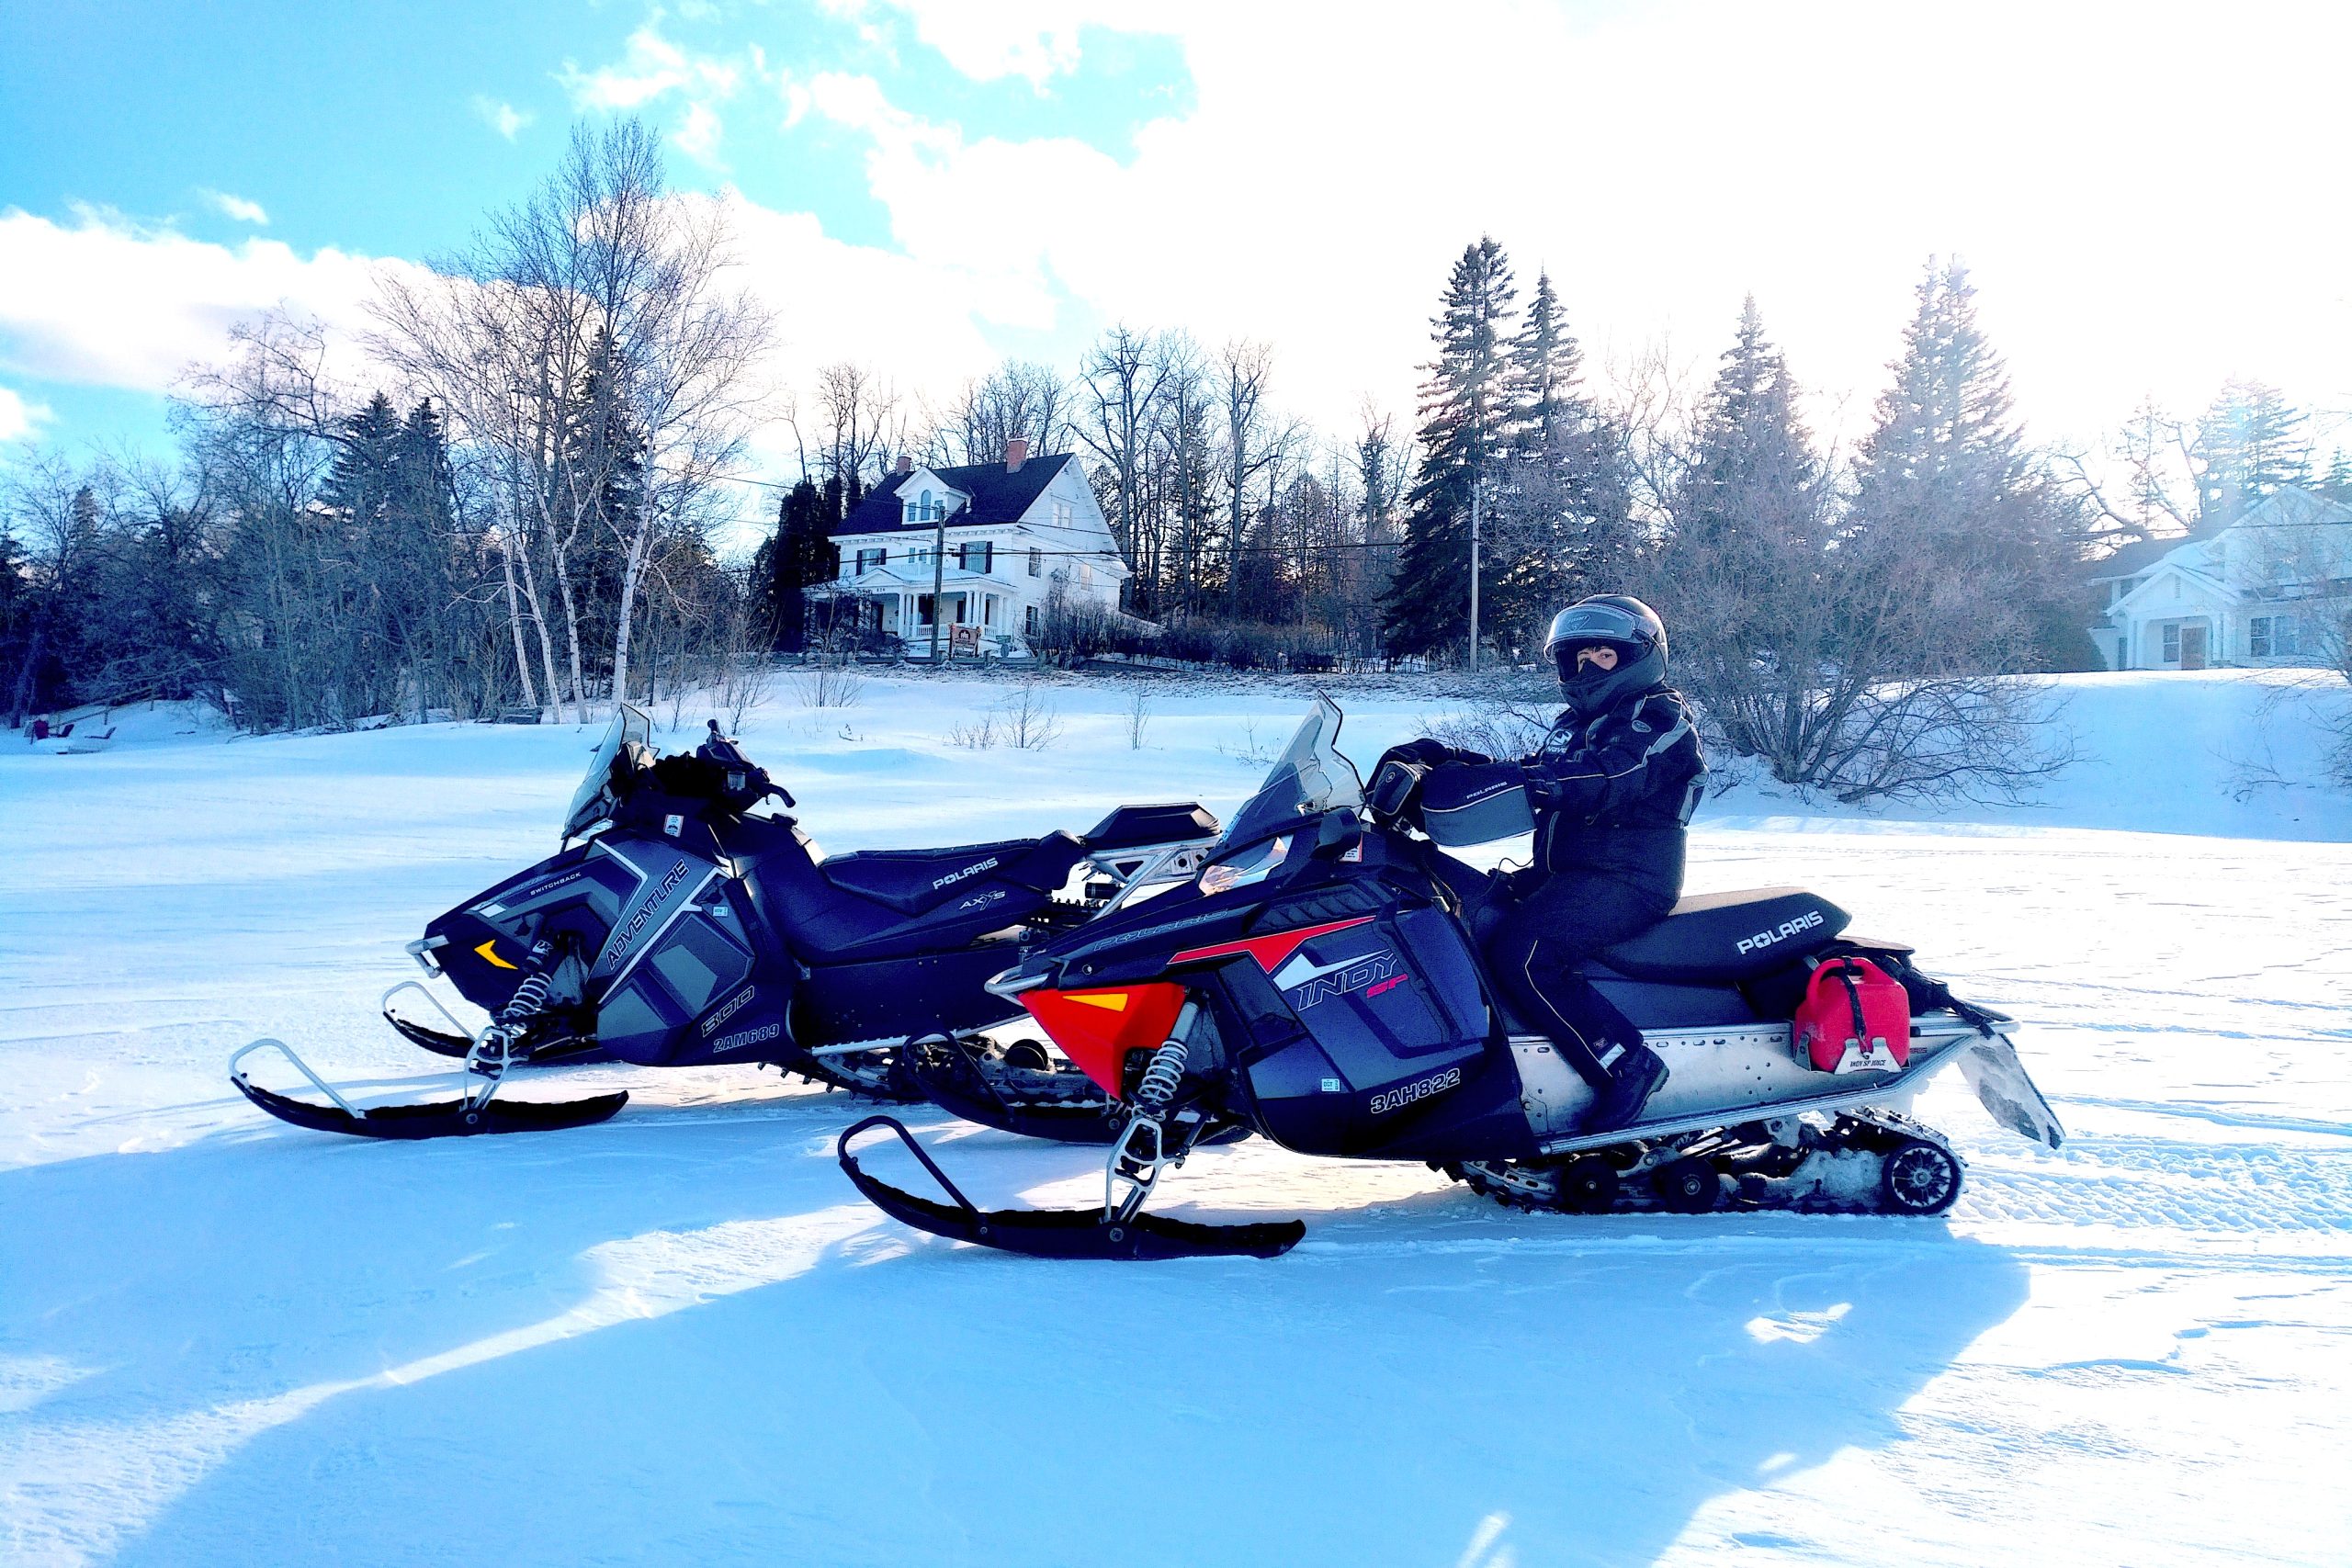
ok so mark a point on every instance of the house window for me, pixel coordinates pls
(1085, 574)
(1029, 620)
(2172, 643)
(926, 508)
(2271, 636)
(868, 559)
(977, 557)
(1037, 561)
(1061, 514)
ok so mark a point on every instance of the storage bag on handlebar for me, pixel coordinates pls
(1476, 803)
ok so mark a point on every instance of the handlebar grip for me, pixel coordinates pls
(1393, 788)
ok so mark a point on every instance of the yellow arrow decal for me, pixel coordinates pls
(486, 951)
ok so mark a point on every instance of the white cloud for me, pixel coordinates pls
(107, 302)
(1035, 39)
(653, 67)
(17, 417)
(1662, 162)
(235, 206)
(502, 116)
(911, 322)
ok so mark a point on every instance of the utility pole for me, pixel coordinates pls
(938, 577)
(1477, 488)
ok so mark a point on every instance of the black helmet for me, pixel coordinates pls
(1607, 620)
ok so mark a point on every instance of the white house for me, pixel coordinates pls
(2258, 591)
(1015, 534)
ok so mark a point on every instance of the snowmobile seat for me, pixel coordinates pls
(1131, 827)
(912, 881)
(1728, 936)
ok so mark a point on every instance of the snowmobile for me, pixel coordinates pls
(1318, 983)
(678, 927)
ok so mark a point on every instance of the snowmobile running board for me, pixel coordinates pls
(458, 1118)
(957, 1085)
(1057, 1232)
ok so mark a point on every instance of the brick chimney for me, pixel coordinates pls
(906, 462)
(1016, 452)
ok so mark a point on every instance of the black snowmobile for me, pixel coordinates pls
(682, 929)
(1316, 984)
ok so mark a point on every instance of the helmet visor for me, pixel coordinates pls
(1581, 626)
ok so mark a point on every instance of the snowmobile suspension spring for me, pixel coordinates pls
(531, 995)
(1165, 1071)
(529, 999)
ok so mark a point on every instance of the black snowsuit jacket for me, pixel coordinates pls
(1613, 791)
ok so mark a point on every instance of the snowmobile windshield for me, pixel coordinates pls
(1309, 778)
(593, 800)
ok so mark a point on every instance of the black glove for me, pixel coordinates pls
(1424, 752)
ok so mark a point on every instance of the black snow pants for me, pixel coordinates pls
(1534, 938)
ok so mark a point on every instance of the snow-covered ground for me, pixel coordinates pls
(679, 1337)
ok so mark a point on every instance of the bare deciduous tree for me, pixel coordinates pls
(592, 341)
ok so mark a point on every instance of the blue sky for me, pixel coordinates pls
(929, 185)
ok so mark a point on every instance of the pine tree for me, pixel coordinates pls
(1466, 419)
(799, 555)
(1950, 502)
(2337, 483)
(359, 486)
(1564, 505)
(1546, 365)
(2251, 443)
(1752, 482)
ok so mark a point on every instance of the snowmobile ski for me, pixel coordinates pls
(474, 1112)
(1057, 1232)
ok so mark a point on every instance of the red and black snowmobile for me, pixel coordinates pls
(1316, 984)
(680, 927)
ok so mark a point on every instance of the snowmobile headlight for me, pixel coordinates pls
(1255, 866)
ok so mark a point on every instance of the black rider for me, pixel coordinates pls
(1612, 788)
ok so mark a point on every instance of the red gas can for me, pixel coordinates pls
(1855, 1018)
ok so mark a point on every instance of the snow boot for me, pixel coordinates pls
(1634, 1077)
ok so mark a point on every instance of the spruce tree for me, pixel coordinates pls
(1465, 418)
(797, 555)
(359, 485)
(1752, 480)
(1564, 504)
(1546, 366)
(2337, 483)
(2252, 443)
(1744, 571)
(1950, 500)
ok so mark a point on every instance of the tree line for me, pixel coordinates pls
(521, 503)
(519, 512)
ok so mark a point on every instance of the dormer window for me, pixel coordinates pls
(927, 508)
